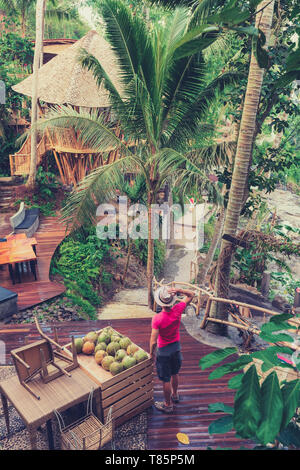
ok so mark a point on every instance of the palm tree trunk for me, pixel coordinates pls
(218, 231)
(241, 165)
(150, 254)
(40, 9)
(23, 24)
(129, 250)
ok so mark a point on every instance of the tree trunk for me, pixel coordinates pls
(23, 24)
(218, 230)
(150, 255)
(40, 9)
(129, 250)
(241, 165)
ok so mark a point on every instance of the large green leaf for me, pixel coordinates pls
(271, 409)
(277, 326)
(281, 317)
(291, 400)
(239, 364)
(247, 405)
(216, 357)
(267, 332)
(269, 356)
(231, 16)
(219, 406)
(221, 425)
(276, 338)
(235, 382)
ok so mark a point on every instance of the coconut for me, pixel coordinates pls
(107, 361)
(104, 338)
(132, 348)
(128, 361)
(120, 354)
(78, 344)
(116, 367)
(125, 342)
(91, 336)
(88, 347)
(101, 345)
(100, 355)
(112, 348)
(115, 338)
(140, 355)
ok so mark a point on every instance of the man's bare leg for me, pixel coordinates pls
(167, 393)
(174, 385)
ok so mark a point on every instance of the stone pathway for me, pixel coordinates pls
(132, 303)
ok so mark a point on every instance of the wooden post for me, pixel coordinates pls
(40, 9)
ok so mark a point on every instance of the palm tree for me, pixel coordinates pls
(23, 9)
(161, 108)
(241, 166)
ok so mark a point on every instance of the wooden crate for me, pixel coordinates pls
(130, 392)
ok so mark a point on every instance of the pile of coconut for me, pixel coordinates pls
(112, 351)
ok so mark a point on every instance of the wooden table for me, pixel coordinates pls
(60, 394)
(18, 249)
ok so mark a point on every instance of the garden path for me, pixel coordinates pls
(132, 303)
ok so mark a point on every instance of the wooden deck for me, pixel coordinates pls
(191, 416)
(30, 292)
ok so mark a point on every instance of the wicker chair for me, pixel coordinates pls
(87, 433)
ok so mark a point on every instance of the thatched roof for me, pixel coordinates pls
(63, 81)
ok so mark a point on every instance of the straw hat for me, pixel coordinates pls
(163, 297)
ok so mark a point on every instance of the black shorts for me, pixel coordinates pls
(167, 366)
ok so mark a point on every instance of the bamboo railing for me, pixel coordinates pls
(241, 323)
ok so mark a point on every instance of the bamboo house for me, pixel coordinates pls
(62, 81)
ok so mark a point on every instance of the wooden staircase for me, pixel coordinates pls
(7, 194)
(20, 161)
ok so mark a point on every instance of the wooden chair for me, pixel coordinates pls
(39, 358)
(87, 433)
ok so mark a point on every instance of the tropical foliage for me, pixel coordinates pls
(265, 407)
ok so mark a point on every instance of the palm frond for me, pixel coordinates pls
(188, 172)
(183, 86)
(97, 187)
(126, 35)
(94, 132)
(184, 122)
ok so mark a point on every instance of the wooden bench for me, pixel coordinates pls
(25, 220)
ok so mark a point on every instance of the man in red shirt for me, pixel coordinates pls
(165, 335)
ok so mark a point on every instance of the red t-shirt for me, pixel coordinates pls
(168, 324)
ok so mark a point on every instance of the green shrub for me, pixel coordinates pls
(84, 304)
(85, 290)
